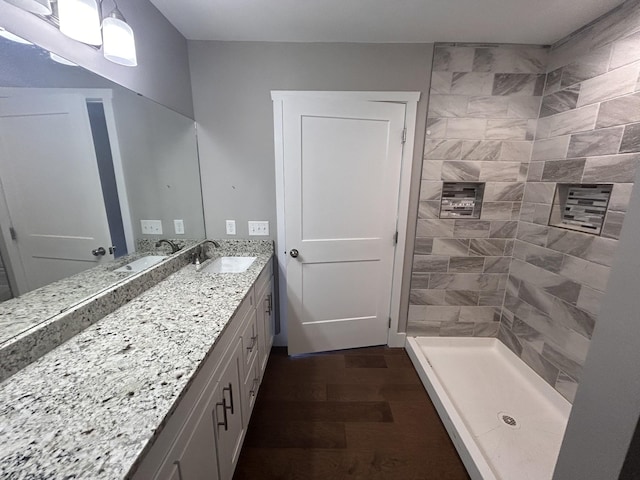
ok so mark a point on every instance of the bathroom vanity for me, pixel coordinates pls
(162, 388)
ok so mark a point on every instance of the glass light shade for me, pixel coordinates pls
(119, 43)
(80, 20)
(41, 7)
(61, 60)
(14, 38)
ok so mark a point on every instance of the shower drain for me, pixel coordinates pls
(508, 419)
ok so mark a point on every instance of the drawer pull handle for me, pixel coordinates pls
(230, 389)
(253, 344)
(269, 301)
(177, 464)
(224, 423)
(254, 387)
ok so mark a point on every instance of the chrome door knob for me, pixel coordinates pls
(98, 252)
(293, 252)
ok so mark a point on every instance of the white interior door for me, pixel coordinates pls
(342, 163)
(51, 187)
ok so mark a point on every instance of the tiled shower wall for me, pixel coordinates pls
(5, 289)
(483, 108)
(587, 133)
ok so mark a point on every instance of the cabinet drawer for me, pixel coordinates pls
(250, 390)
(264, 278)
(250, 341)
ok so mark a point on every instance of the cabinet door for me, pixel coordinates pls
(228, 414)
(266, 326)
(193, 456)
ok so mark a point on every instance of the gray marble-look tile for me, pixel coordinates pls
(543, 129)
(450, 246)
(503, 229)
(541, 214)
(471, 229)
(613, 225)
(499, 171)
(431, 169)
(479, 314)
(464, 83)
(486, 329)
(434, 228)
(619, 200)
(460, 171)
(429, 263)
(461, 298)
(488, 107)
(491, 299)
(426, 297)
(436, 313)
(429, 209)
(527, 334)
(590, 300)
(453, 59)
(513, 303)
(497, 210)
(466, 281)
(419, 281)
(423, 246)
(619, 111)
(597, 142)
(539, 193)
(510, 340)
(508, 247)
(467, 128)
(504, 191)
(532, 126)
(566, 386)
(579, 120)
(436, 128)
(506, 129)
(423, 328)
(516, 151)
(570, 170)
(481, 150)
(535, 171)
(550, 149)
(613, 168)
(586, 273)
(631, 139)
(496, 264)
(466, 265)
(487, 247)
(417, 313)
(441, 82)
(537, 297)
(625, 51)
(610, 85)
(549, 282)
(457, 329)
(586, 66)
(430, 190)
(573, 318)
(518, 84)
(447, 106)
(561, 101)
(540, 365)
(510, 60)
(552, 84)
(544, 258)
(560, 360)
(620, 23)
(588, 247)
(524, 107)
(442, 149)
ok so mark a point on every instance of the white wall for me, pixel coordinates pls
(162, 73)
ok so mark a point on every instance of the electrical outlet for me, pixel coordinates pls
(231, 227)
(258, 228)
(178, 226)
(151, 227)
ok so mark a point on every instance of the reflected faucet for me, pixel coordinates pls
(174, 247)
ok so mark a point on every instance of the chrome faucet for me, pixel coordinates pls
(174, 247)
(202, 251)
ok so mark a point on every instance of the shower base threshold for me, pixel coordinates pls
(505, 421)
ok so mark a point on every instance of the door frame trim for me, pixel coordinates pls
(410, 100)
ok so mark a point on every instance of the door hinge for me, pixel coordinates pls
(404, 135)
(395, 238)
(12, 232)
(389, 322)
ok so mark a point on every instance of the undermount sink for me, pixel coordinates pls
(229, 265)
(141, 264)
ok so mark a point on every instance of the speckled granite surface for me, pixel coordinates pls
(92, 406)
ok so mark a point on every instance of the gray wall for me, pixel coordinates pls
(232, 82)
(162, 73)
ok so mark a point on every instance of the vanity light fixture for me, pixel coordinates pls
(82, 20)
(61, 60)
(41, 7)
(14, 38)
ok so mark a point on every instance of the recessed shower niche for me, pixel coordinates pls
(581, 207)
(461, 200)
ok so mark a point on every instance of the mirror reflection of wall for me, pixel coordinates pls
(82, 162)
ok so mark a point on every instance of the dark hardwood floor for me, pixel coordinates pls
(353, 414)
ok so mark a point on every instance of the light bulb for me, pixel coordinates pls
(119, 43)
(80, 20)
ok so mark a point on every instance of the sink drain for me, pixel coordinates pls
(508, 420)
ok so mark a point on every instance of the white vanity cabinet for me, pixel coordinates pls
(203, 438)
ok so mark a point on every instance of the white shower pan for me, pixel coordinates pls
(505, 421)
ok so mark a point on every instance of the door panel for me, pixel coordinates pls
(342, 166)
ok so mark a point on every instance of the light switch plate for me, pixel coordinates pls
(178, 226)
(258, 227)
(151, 227)
(231, 227)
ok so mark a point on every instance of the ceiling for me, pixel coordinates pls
(382, 21)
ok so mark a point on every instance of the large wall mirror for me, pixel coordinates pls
(84, 163)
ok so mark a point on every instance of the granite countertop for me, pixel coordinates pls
(92, 406)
